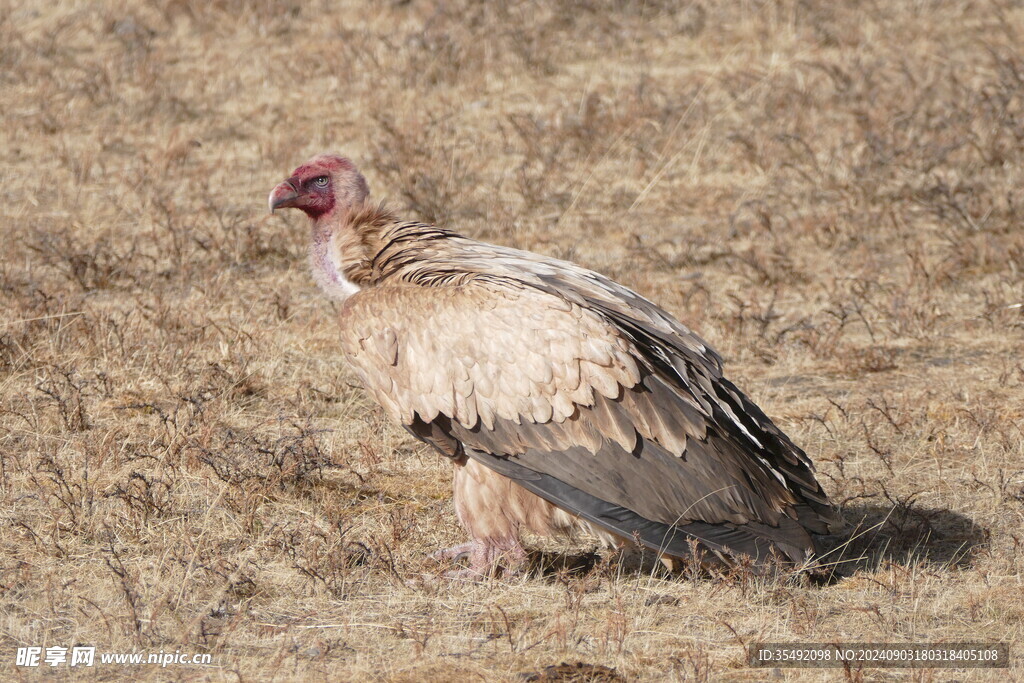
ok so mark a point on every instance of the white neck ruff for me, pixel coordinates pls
(327, 268)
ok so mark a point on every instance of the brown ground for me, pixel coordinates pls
(831, 196)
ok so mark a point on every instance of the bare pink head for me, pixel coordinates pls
(324, 183)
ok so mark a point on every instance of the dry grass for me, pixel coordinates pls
(831, 195)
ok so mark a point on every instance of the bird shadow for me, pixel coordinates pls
(875, 536)
(900, 533)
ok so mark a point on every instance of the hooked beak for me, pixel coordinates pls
(283, 196)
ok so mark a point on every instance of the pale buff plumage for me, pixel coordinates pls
(563, 398)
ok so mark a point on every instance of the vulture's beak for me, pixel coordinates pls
(283, 196)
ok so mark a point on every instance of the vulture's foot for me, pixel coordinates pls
(486, 557)
(454, 554)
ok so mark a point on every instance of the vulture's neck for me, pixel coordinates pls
(364, 246)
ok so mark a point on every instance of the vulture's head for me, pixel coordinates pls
(324, 183)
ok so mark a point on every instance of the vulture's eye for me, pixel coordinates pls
(321, 181)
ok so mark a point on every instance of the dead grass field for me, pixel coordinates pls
(832, 194)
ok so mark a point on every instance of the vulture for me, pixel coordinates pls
(564, 400)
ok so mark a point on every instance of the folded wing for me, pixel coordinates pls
(592, 398)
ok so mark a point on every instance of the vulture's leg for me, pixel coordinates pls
(489, 554)
(492, 509)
